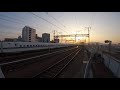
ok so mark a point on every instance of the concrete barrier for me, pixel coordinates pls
(113, 64)
(110, 62)
(88, 70)
(1, 73)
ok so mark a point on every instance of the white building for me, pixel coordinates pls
(46, 37)
(28, 34)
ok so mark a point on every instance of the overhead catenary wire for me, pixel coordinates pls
(8, 33)
(58, 21)
(92, 20)
(13, 20)
(38, 24)
(76, 24)
(20, 21)
(55, 19)
(6, 26)
(24, 19)
(47, 21)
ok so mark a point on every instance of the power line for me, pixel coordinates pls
(20, 19)
(18, 29)
(9, 27)
(46, 21)
(92, 20)
(11, 21)
(76, 24)
(76, 21)
(33, 22)
(22, 22)
(57, 21)
(11, 18)
(15, 19)
(9, 32)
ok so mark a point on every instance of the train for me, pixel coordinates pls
(26, 46)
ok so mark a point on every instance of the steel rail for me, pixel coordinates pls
(16, 61)
(37, 75)
(86, 68)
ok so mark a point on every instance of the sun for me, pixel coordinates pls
(81, 39)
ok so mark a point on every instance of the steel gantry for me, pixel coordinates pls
(72, 35)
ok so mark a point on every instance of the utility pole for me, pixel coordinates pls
(54, 35)
(88, 34)
(109, 43)
(75, 37)
(60, 33)
(61, 38)
(1, 46)
(110, 46)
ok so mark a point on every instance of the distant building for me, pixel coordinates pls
(46, 37)
(39, 39)
(36, 36)
(52, 41)
(19, 38)
(10, 40)
(56, 40)
(28, 34)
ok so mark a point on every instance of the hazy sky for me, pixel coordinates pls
(105, 25)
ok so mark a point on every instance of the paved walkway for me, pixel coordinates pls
(100, 70)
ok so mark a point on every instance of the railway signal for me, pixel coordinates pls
(109, 42)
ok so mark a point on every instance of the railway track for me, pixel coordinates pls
(54, 70)
(9, 58)
(17, 64)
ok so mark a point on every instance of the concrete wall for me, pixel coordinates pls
(110, 62)
(1, 73)
(113, 64)
(88, 71)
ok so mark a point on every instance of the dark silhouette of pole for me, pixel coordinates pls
(1, 46)
(108, 41)
(88, 34)
(110, 46)
(54, 35)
